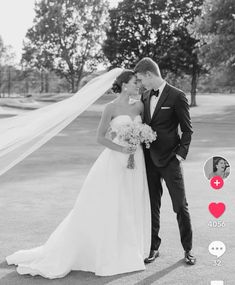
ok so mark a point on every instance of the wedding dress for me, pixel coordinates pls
(108, 230)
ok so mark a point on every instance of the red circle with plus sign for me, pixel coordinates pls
(217, 182)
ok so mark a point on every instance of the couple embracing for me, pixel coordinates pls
(114, 225)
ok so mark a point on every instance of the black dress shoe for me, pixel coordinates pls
(152, 256)
(189, 258)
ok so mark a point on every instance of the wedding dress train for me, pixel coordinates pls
(108, 231)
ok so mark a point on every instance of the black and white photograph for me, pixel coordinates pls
(115, 116)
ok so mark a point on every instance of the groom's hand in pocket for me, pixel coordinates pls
(180, 158)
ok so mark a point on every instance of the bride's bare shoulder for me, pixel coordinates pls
(110, 105)
(109, 109)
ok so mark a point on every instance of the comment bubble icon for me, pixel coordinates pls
(217, 248)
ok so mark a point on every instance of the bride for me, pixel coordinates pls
(108, 230)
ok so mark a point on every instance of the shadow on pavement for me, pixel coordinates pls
(159, 274)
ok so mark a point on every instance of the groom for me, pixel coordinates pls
(165, 109)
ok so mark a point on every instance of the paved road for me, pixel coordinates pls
(36, 195)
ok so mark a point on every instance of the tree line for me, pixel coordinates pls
(71, 38)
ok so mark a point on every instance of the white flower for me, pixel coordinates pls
(136, 133)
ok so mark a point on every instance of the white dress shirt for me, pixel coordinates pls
(154, 99)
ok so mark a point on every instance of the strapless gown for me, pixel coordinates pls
(108, 231)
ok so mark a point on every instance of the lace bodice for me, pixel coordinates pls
(124, 119)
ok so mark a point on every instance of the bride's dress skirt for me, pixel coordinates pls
(108, 230)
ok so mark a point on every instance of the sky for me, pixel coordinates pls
(16, 17)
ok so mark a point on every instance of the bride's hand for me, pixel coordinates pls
(129, 149)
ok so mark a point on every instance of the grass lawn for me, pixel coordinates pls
(38, 193)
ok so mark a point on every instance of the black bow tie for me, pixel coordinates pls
(154, 93)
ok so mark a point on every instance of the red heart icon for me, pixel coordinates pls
(217, 209)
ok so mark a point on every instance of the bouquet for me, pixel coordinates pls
(134, 134)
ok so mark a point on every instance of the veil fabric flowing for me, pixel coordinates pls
(23, 134)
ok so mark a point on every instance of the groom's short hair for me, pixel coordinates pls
(147, 64)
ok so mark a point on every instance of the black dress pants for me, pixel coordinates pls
(173, 176)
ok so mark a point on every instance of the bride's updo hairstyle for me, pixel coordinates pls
(124, 77)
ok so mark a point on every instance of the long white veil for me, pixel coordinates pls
(23, 134)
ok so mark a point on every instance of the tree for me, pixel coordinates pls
(66, 37)
(1, 54)
(157, 29)
(1, 47)
(183, 58)
(216, 27)
(7, 63)
(133, 35)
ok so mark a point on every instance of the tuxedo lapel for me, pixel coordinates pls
(161, 100)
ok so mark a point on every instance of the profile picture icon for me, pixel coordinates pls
(216, 166)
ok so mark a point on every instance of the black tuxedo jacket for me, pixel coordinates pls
(171, 112)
